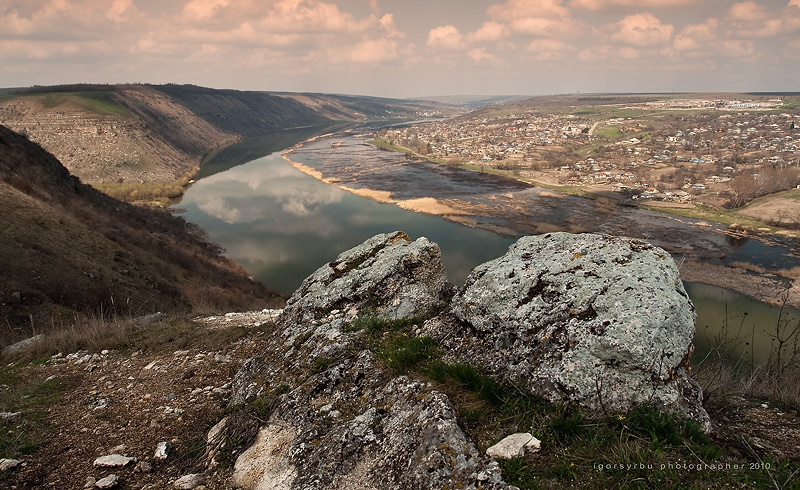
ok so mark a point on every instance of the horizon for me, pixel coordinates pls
(411, 50)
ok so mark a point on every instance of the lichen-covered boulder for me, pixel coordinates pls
(599, 321)
(353, 426)
(388, 273)
(333, 415)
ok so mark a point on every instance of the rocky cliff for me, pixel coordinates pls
(589, 321)
(149, 133)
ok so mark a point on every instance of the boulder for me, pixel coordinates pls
(594, 321)
(598, 321)
(352, 426)
(388, 273)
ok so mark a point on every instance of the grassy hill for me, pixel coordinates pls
(145, 142)
(68, 250)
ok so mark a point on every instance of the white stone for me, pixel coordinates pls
(161, 451)
(9, 464)
(112, 460)
(514, 446)
(110, 481)
(188, 482)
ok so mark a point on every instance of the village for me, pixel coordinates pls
(673, 151)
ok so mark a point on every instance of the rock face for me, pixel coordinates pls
(600, 321)
(345, 415)
(395, 277)
(595, 321)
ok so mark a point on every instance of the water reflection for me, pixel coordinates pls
(281, 224)
(735, 322)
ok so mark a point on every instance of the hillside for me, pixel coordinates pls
(115, 136)
(67, 249)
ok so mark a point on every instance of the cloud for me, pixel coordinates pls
(512, 10)
(549, 49)
(595, 5)
(201, 10)
(490, 31)
(747, 11)
(479, 55)
(446, 37)
(642, 30)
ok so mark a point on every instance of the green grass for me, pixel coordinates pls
(161, 193)
(605, 131)
(101, 103)
(31, 398)
(642, 448)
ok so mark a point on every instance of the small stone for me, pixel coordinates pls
(110, 481)
(143, 467)
(171, 397)
(112, 460)
(514, 446)
(215, 431)
(189, 481)
(9, 464)
(119, 449)
(222, 358)
(90, 482)
(161, 451)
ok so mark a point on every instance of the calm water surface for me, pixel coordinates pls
(281, 224)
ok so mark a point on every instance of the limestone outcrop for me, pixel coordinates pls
(597, 322)
(600, 321)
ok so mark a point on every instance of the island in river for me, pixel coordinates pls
(761, 266)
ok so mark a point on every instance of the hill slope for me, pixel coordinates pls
(116, 134)
(66, 249)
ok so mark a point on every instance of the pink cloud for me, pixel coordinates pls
(642, 30)
(595, 5)
(747, 11)
(373, 51)
(200, 10)
(446, 37)
(480, 55)
(489, 32)
(512, 10)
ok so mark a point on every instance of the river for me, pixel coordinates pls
(282, 224)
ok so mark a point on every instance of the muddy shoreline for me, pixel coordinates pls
(514, 209)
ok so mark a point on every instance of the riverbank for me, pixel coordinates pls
(699, 246)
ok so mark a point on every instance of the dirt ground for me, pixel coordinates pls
(128, 402)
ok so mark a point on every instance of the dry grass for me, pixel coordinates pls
(723, 373)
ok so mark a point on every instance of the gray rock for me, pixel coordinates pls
(390, 273)
(22, 345)
(9, 464)
(148, 320)
(600, 321)
(400, 434)
(188, 482)
(110, 481)
(514, 446)
(595, 321)
(112, 461)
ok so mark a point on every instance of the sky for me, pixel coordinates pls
(407, 48)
